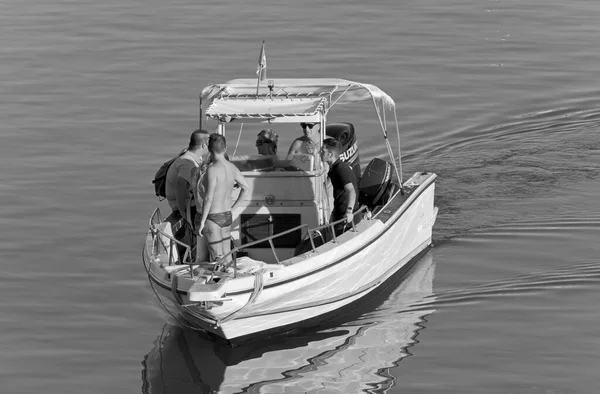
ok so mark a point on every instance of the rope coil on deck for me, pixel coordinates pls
(258, 286)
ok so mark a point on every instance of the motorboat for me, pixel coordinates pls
(288, 265)
(357, 355)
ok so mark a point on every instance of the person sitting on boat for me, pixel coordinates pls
(344, 183)
(216, 219)
(266, 142)
(308, 143)
(178, 181)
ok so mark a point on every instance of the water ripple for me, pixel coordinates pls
(584, 275)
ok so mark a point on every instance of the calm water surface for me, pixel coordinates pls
(500, 98)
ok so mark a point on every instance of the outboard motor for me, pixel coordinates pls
(374, 183)
(344, 132)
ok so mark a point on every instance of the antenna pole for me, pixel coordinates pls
(200, 112)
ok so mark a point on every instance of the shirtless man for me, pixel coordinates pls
(309, 142)
(216, 219)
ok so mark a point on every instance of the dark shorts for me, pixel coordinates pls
(221, 219)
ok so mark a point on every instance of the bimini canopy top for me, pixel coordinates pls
(294, 100)
(288, 99)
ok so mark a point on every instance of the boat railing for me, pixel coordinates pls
(330, 227)
(155, 217)
(158, 241)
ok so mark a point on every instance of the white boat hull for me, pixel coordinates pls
(338, 275)
(181, 361)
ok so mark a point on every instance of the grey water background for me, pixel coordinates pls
(499, 98)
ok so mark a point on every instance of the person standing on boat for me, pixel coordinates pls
(266, 142)
(178, 186)
(308, 143)
(344, 183)
(199, 190)
(221, 177)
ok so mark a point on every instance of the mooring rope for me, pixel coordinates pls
(258, 286)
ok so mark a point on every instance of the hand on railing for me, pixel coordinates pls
(348, 219)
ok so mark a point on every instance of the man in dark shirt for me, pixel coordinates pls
(345, 185)
(179, 186)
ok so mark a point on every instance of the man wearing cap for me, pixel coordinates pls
(266, 142)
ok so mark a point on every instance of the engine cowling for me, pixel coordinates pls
(344, 132)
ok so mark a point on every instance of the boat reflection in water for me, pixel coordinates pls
(343, 357)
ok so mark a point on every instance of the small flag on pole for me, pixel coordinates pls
(261, 71)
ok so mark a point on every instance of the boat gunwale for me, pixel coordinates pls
(429, 181)
(210, 325)
(387, 225)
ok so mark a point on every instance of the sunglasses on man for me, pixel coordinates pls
(309, 125)
(261, 142)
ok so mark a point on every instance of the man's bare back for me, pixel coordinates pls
(223, 173)
(216, 213)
